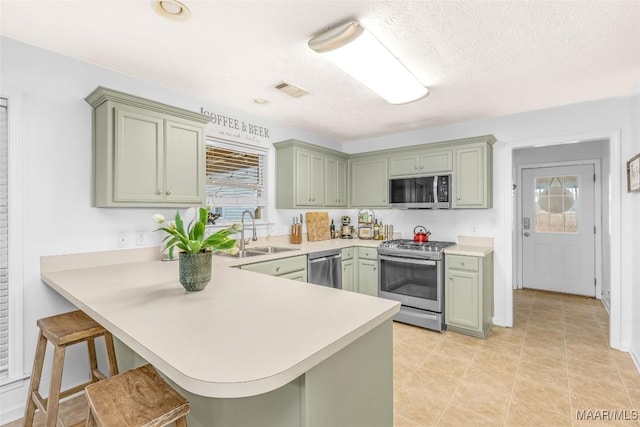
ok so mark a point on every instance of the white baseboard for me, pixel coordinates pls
(12, 414)
(635, 356)
(605, 303)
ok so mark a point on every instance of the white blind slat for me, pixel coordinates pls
(235, 178)
(4, 231)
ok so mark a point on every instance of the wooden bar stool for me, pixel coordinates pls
(64, 330)
(136, 398)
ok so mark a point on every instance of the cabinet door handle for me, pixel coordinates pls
(158, 192)
(421, 167)
(277, 269)
(461, 262)
(168, 192)
(457, 198)
(450, 277)
(416, 166)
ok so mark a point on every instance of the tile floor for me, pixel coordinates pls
(554, 362)
(551, 366)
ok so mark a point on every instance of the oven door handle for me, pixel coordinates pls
(407, 260)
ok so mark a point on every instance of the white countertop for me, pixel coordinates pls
(468, 250)
(471, 246)
(245, 334)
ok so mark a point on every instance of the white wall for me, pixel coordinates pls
(633, 226)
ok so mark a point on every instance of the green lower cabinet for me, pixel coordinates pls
(468, 294)
(462, 300)
(368, 277)
(360, 270)
(368, 271)
(348, 282)
(294, 268)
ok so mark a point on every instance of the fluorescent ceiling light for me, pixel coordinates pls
(352, 48)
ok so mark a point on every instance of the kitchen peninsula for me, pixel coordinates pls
(250, 349)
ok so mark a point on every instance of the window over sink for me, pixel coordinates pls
(236, 180)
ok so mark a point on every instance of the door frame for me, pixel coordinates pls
(597, 199)
(619, 332)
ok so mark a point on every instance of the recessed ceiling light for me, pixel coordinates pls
(261, 101)
(171, 9)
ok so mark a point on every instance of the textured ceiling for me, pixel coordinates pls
(479, 59)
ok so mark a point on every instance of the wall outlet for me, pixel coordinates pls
(121, 240)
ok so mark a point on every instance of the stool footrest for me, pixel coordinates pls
(41, 403)
(75, 389)
(99, 375)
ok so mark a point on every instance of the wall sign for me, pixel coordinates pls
(235, 129)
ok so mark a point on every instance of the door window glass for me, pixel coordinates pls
(557, 202)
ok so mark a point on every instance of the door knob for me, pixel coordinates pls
(526, 234)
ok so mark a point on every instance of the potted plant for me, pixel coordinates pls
(195, 248)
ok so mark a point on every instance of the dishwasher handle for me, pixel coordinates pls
(325, 258)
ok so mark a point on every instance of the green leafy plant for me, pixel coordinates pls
(192, 239)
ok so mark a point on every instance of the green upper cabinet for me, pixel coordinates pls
(421, 163)
(336, 182)
(146, 154)
(369, 182)
(473, 176)
(309, 176)
(312, 176)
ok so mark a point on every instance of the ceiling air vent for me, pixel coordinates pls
(291, 90)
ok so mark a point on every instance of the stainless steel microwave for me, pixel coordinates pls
(425, 192)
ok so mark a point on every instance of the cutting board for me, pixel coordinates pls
(318, 226)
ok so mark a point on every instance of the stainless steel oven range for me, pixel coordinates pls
(413, 273)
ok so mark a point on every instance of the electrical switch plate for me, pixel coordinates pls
(122, 241)
(140, 238)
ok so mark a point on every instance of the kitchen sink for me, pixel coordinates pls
(240, 254)
(272, 249)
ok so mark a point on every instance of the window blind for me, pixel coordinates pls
(235, 178)
(4, 242)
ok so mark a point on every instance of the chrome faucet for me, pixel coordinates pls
(253, 224)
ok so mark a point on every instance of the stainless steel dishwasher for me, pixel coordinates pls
(325, 268)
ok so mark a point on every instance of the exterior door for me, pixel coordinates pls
(558, 229)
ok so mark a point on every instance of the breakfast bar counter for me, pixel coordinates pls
(250, 349)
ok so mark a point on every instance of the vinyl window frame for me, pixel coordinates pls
(16, 374)
(249, 149)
